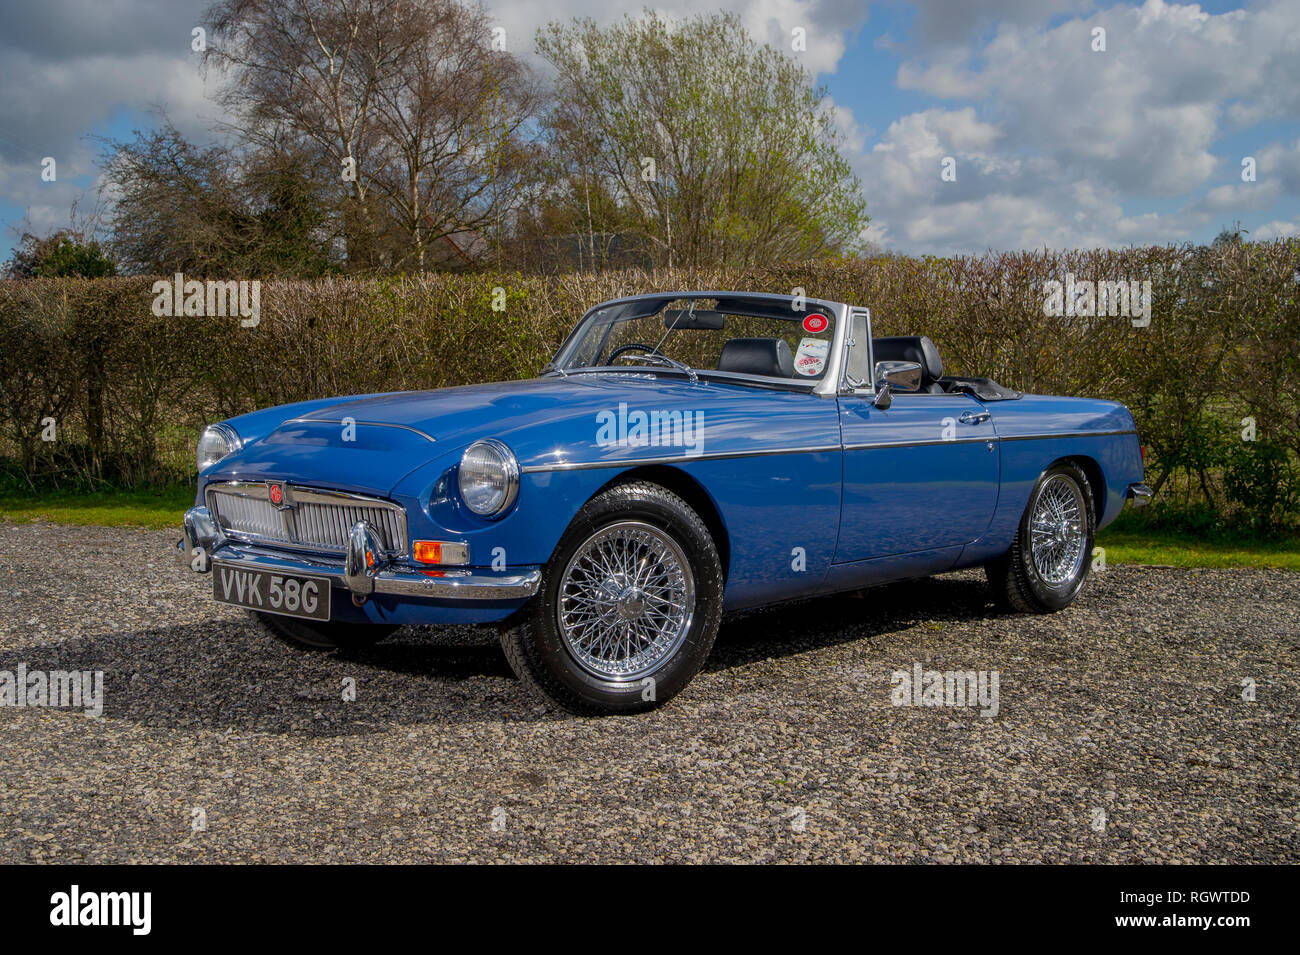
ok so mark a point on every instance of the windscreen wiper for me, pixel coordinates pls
(672, 363)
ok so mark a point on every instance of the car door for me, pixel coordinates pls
(919, 475)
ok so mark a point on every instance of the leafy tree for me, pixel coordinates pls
(65, 253)
(714, 149)
(1232, 236)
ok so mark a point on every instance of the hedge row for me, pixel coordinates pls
(129, 390)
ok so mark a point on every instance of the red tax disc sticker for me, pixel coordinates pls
(815, 324)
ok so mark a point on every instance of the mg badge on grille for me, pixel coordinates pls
(279, 495)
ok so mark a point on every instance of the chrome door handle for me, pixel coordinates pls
(973, 417)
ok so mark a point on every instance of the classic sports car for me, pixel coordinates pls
(684, 454)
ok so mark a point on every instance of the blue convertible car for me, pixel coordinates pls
(684, 454)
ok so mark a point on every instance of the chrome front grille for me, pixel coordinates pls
(305, 518)
(327, 525)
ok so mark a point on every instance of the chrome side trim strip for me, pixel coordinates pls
(1064, 434)
(984, 439)
(674, 459)
(374, 424)
(980, 439)
(720, 455)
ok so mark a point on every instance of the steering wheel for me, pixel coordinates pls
(651, 349)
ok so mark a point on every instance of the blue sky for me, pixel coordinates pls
(1052, 142)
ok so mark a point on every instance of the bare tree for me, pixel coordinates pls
(406, 99)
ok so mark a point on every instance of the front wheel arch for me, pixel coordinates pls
(689, 490)
(538, 643)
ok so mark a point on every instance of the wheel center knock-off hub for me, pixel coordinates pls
(631, 605)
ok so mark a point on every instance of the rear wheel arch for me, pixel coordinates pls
(1096, 480)
(1050, 556)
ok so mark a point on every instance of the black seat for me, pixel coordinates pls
(917, 348)
(757, 356)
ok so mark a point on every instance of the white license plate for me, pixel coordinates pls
(272, 591)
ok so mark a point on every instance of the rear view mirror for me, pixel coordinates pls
(890, 375)
(700, 319)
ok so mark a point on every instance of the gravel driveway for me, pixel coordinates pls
(1121, 733)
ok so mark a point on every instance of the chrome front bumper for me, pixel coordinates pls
(363, 571)
(1139, 494)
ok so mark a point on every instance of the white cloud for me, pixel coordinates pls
(1143, 114)
(1280, 163)
(50, 105)
(826, 22)
(1065, 138)
(948, 22)
(1277, 229)
(1240, 197)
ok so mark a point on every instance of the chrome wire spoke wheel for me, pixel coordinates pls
(1058, 530)
(1047, 564)
(629, 606)
(626, 601)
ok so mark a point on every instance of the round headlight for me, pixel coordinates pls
(217, 441)
(489, 477)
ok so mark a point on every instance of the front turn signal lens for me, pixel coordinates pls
(440, 552)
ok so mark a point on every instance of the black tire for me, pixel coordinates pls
(313, 635)
(548, 664)
(1016, 579)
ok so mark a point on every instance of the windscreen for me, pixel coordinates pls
(794, 347)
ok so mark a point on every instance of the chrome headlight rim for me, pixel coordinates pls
(229, 438)
(510, 465)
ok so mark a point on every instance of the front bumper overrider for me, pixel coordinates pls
(363, 571)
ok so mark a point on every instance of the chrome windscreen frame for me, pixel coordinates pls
(828, 385)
